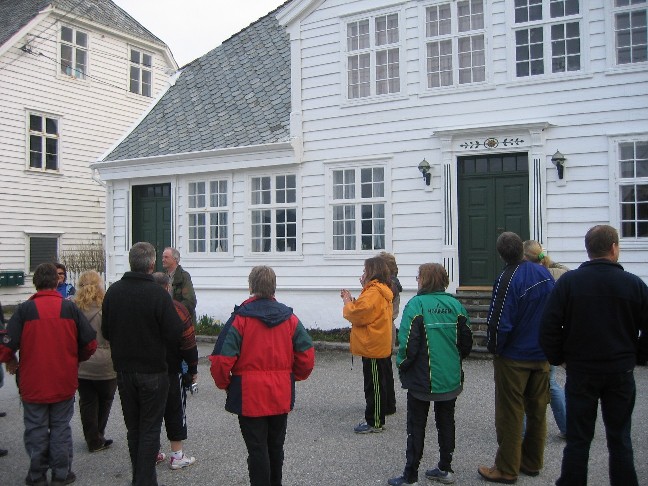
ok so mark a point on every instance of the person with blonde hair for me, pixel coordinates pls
(533, 252)
(97, 378)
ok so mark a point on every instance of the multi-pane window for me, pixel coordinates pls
(74, 52)
(630, 31)
(43, 142)
(141, 65)
(373, 56)
(359, 209)
(455, 43)
(547, 37)
(273, 214)
(633, 188)
(208, 216)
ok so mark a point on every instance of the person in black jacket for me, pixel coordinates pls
(591, 323)
(140, 321)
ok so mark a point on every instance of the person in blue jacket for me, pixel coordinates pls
(521, 370)
(63, 287)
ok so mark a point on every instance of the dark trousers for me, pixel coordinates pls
(390, 403)
(175, 417)
(617, 392)
(143, 398)
(48, 438)
(374, 372)
(95, 401)
(264, 438)
(417, 415)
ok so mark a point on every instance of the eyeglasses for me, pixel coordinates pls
(417, 278)
(60, 273)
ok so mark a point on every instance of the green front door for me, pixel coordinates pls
(152, 217)
(493, 196)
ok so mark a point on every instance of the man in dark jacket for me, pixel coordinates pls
(181, 286)
(139, 320)
(591, 323)
(48, 330)
(260, 353)
(521, 368)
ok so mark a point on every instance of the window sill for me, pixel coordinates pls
(46, 171)
(633, 244)
(546, 78)
(463, 88)
(278, 257)
(369, 100)
(627, 68)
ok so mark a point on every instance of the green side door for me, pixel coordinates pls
(152, 217)
(493, 194)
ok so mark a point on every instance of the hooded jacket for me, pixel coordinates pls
(370, 316)
(260, 353)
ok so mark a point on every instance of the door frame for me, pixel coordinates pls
(470, 141)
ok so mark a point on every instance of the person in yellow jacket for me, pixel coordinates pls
(370, 316)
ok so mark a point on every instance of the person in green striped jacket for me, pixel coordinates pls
(434, 338)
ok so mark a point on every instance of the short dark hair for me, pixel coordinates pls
(161, 278)
(599, 240)
(262, 281)
(45, 277)
(141, 256)
(510, 248)
(376, 268)
(433, 277)
(60, 266)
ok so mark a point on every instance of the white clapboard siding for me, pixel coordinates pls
(93, 114)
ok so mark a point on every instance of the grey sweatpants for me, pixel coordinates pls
(48, 438)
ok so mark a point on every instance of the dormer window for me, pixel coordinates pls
(74, 52)
(141, 64)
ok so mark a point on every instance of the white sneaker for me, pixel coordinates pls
(184, 461)
(161, 456)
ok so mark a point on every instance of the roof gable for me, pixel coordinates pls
(236, 95)
(15, 14)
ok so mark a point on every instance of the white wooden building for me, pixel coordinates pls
(487, 92)
(74, 75)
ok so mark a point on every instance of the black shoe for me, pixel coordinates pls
(42, 481)
(3, 414)
(71, 477)
(107, 443)
(3, 452)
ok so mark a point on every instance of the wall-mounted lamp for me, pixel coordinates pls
(558, 160)
(424, 167)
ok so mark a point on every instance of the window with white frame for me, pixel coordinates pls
(141, 64)
(74, 52)
(631, 31)
(455, 43)
(273, 213)
(373, 56)
(208, 216)
(358, 209)
(633, 188)
(43, 133)
(547, 37)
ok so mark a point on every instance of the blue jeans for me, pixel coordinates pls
(143, 398)
(617, 392)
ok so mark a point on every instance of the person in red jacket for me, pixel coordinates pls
(260, 353)
(53, 336)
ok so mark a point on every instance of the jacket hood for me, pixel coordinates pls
(268, 311)
(384, 290)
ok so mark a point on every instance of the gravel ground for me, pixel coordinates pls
(321, 448)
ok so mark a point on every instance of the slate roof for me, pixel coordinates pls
(14, 14)
(236, 95)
